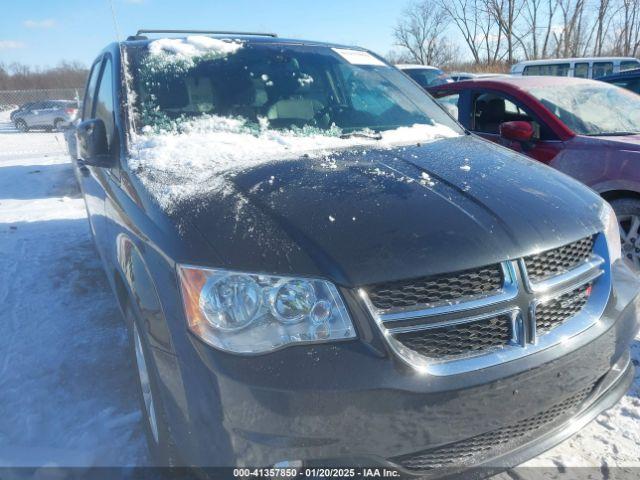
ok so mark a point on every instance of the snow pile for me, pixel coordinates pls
(68, 385)
(199, 156)
(190, 50)
(5, 116)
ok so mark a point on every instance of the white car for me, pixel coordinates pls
(576, 67)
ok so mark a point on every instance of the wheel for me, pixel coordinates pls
(57, 124)
(157, 432)
(21, 125)
(628, 213)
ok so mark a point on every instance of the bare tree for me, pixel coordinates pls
(602, 26)
(464, 15)
(477, 26)
(627, 25)
(570, 37)
(18, 76)
(496, 31)
(398, 56)
(420, 33)
(505, 14)
(536, 27)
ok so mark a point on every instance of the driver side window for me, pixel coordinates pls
(490, 109)
(91, 88)
(103, 105)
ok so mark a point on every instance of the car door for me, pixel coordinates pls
(48, 114)
(490, 108)
(93, 180)
(42, 115)
(31, 114)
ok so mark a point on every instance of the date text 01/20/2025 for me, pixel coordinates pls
(316, 472)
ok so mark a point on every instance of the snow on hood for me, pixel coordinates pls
(200, 156)
(187, 50)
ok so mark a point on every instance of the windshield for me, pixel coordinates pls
(281, 86)
(592, 108)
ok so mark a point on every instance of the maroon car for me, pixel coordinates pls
(584, 128)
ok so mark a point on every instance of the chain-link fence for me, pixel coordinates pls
(12, 99)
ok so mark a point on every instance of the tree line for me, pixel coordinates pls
(17, 76)
(501, 32)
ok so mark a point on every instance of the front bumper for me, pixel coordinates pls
(608, 392)
(356, 404)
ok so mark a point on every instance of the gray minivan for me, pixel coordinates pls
(320, 268)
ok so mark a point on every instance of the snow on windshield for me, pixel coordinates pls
(188, 143)
(592, 108)
(201, 155)
(192, 49)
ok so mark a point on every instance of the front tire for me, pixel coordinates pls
(158, 434)
(628, 213)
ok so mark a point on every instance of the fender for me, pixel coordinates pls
(142, 293)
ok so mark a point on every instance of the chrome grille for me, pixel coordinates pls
(558, 310)
(459, 286)
(444, 325)
(488, 445)
(558, 260)
(455, 339)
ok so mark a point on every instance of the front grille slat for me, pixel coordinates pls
(558, 310)
(450, 317)
(487, 445)
(429, 291)
(558, 260)
(453, 340)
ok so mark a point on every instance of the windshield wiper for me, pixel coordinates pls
(372, 136)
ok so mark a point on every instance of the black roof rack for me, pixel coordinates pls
(140, 34)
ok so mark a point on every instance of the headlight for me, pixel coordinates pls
(252, 313)
(612, 232)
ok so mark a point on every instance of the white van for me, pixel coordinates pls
(592, 67)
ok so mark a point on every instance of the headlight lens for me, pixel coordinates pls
(612, 232)
(252, 313)
(229, 303)
(292, 300)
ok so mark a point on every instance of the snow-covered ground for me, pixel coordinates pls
(66, 381)
(67, 386)
(611, 440)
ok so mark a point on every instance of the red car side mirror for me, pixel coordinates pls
(518, 131)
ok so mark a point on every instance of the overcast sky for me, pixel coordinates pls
(42, 33)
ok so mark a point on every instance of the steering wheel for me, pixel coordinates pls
(324, 116)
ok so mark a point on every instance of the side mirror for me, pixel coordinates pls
(518, 131)
(93, 148)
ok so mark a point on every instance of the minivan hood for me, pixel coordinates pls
(363, 216)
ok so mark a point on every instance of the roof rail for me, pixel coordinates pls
(218, 32)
